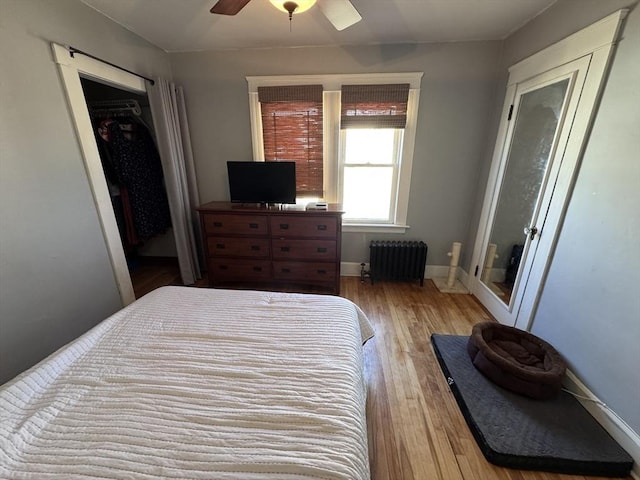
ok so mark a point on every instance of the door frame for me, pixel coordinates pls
(575, 73)
(597, 43)
(71, 69)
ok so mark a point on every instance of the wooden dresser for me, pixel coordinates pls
(272, 248)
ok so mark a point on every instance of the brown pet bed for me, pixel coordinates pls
(516, 360)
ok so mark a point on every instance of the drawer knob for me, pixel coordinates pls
(284, 226)
(322, 227)
(217, 224)
(255, 247)
(223, 267)
(220, 246)
(284, 249)
(322, 272)
(257, 269)
(322, 250)
(285, 270)
(253, 225)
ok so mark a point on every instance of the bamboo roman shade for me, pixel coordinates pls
(292, 131)
(374, 106)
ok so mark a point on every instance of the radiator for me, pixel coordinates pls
(390, 260)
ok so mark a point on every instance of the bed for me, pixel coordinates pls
(199, 384)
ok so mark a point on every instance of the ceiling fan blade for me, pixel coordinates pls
(229, 7)
(341, 13)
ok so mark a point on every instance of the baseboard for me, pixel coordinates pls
(610, 421)
(464, 278)
(352, 269)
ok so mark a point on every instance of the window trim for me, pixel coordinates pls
(332, 84)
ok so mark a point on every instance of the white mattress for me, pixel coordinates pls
(200, 384)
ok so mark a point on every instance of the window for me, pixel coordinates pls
(367, 138)
(369, 172)
(372, 124)
(291, 118)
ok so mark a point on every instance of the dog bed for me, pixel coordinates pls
(516, 360)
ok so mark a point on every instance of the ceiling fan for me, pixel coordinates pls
(341, 13)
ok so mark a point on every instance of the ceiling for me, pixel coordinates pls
(187, 25)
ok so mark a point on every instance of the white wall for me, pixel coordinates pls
(55, 277)
(590, 305)
(456, 99)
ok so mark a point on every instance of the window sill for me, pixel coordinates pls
(373, 228)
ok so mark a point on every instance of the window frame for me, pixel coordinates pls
(332, 85)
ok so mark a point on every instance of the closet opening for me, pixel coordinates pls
(126, 141)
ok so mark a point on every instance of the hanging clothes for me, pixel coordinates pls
(118, 193)
(135, 159)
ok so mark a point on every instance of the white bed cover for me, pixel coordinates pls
(200, 384)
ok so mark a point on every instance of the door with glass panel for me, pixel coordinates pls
(526, 168)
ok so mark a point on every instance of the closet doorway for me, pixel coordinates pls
(125, 137)
(74, 68)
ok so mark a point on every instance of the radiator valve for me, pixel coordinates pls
(363, 272)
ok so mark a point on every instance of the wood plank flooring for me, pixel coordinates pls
(416, 430)
(149, 273)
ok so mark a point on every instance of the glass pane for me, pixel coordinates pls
(370, 145)
(531, 145)
(367, 193)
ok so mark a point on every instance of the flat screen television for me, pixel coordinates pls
(262, 182)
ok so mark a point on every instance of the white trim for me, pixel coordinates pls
(255, 115)
(464, 277)
(374, 228)
(70, 69)
(622, 433)
(334, 82)
(406, 163)
(331, 128)
(352, 269)
(601, 34)
(436, 271)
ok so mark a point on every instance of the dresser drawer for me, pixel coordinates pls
(298, 226)
(220, 223)
(238, 247)
(285, 249)
(221, 269)
(304, 271)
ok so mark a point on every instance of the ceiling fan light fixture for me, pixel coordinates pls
(298, 6)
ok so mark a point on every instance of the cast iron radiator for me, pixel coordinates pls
(390, 260)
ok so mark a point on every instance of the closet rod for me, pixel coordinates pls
(73, 51)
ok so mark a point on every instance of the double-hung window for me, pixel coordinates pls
(351, 136)
(372, 122)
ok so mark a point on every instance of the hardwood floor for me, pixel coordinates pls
(149, 273)
(416, 430)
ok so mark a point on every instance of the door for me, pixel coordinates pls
(541, 114)
(549, 106)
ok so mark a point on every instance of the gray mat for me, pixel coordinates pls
(556, 435)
